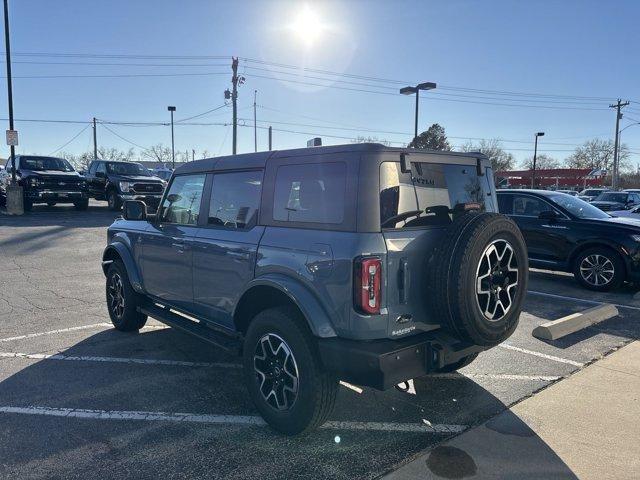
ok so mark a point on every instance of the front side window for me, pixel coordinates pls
(433, 194)
(182, 203)
(235, 198)
(310, 193)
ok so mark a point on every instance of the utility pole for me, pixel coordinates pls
(255, 128)
(95, 140)
(193, 154)
(234, 102)
(270, 130)
(614, 174)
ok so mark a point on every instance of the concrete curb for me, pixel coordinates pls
(572, 323)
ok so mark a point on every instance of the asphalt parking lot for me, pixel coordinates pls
(78, 399)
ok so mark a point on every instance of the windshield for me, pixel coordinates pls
(612, 197)
(591, 192)
(127, 169)
(577, 207)
(45, 163)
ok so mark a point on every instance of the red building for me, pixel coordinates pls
(558, 178)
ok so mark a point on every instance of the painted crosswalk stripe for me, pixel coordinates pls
(424, 427)
(541, 355)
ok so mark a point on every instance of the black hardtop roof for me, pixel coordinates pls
(259, 159)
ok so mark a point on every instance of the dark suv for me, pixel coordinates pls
(47, 180)
(363, 263)
(116, 182)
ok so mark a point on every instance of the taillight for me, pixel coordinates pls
(367, 281)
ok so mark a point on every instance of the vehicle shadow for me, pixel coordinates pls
(61, 215)
(370, 432)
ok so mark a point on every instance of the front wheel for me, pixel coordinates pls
(113, 201)
(284, 374)
(599, 268)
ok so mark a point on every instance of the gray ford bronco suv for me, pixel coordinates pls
(362, 263)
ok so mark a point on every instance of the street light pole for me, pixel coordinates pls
(411, 90)
(173, 148)
(535, 155)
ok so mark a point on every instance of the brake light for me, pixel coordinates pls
(367, 281)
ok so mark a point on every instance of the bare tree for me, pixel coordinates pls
(543, 162)
(500, 159)
(598, 153)
(157, 153)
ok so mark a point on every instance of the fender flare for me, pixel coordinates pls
(314, 313)
(121, 250)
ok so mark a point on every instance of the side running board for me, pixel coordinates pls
(193, 327)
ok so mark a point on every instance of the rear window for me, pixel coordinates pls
(432, 195)
(310, 193)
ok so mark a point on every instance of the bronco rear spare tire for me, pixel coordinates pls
(478, 278)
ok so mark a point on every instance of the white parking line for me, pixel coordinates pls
(73, 329)
(575, 299)
(498, 376)
(541, 355)
(142, 361)
(223, 419)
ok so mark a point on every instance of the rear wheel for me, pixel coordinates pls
(284, 374)
(113, 201)
(599, 269)
(122, 300)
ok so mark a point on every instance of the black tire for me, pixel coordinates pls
(113, 200)
(472, 242)
(51, 204)
(609, 259)
(122, 309)
(27, 205)
(463, 362)
(81, 205)
(309, 407)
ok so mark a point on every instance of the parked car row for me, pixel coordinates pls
(53, 180)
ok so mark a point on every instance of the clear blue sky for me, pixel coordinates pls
(569, 48)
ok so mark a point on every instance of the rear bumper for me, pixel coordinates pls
(382, 364)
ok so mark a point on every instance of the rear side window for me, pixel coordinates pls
(431, 195)
(235, 198)
(310, 193)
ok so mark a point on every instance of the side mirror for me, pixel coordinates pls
(134, 210)
(548, 215)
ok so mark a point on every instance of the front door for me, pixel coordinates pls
(224, 251)
(167, 255)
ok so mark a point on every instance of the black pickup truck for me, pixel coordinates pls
(117, 182)
(47, 180)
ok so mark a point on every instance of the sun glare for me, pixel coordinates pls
(307, 25)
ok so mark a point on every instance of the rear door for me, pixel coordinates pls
(225, 248)
(411, 235)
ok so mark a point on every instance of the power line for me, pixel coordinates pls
(202, 114)
(71, 140)
(123, 75)
(123, 138)
(128, 64)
